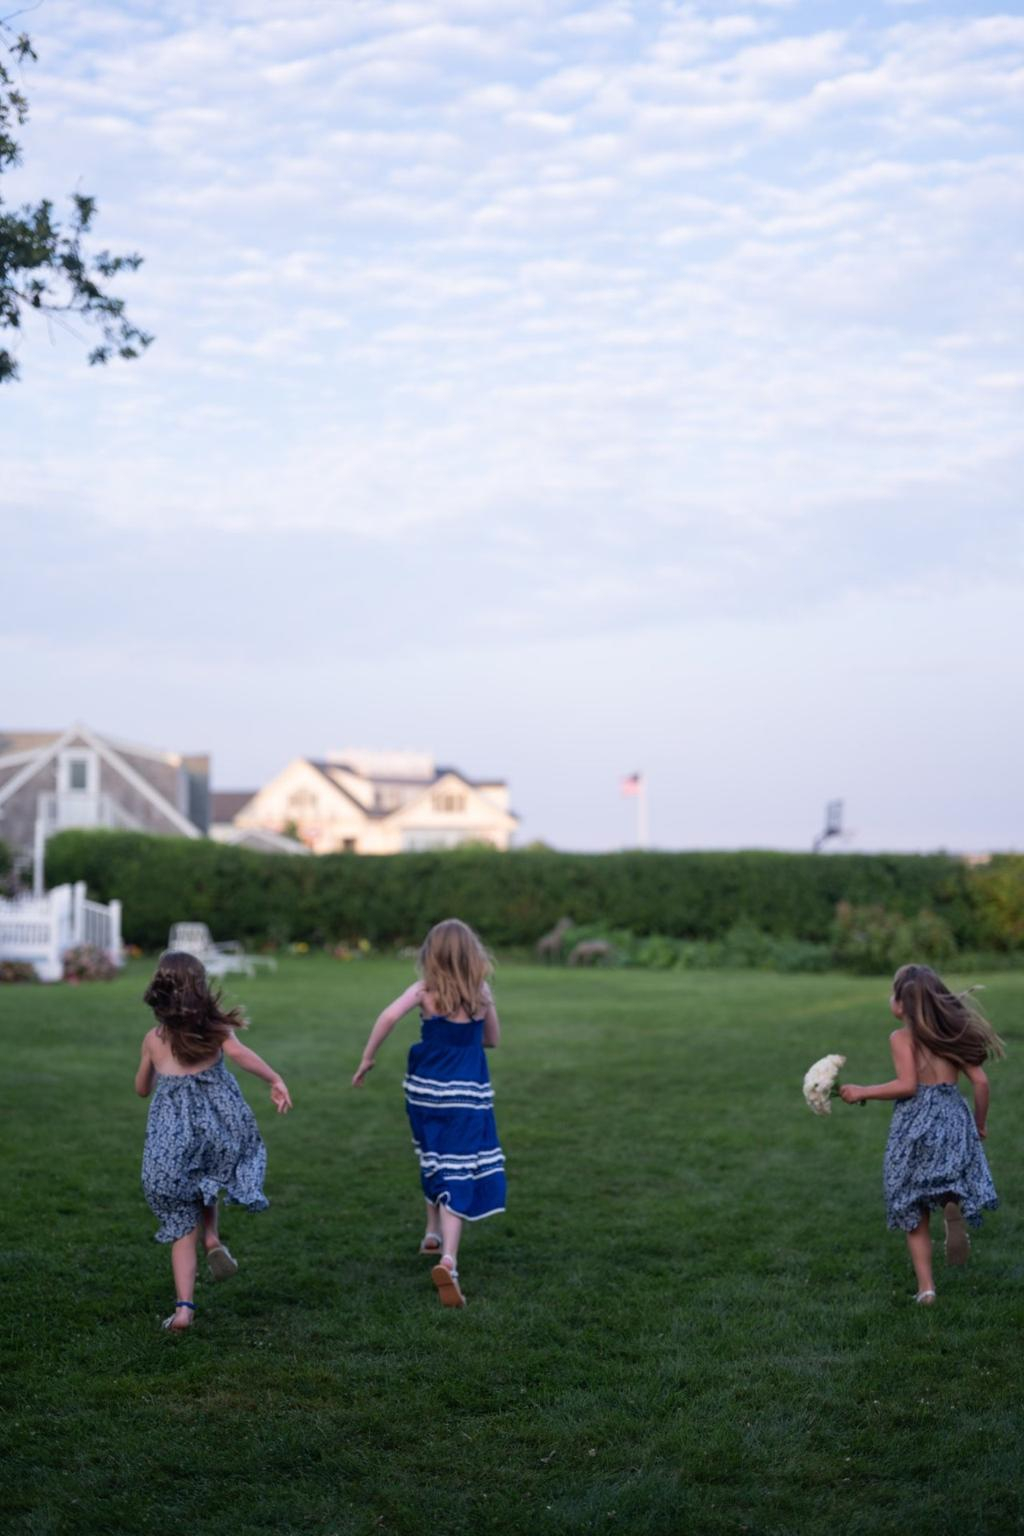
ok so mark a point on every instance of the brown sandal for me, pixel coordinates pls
(446, 1278)
(222, 1265)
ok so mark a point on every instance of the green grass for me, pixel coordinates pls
(691, 1319)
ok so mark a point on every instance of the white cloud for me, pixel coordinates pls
(531, 277)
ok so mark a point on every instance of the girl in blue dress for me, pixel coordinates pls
(201, 1136)
(448, 1092)
(934, 1157)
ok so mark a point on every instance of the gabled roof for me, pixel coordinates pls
(325, 770)
(419, 781)
(110, 756)
(400, 811)
(225, 804)
(473, 783)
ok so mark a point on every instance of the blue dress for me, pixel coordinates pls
(933, 1152)
(450, 1102)
(201, 1137)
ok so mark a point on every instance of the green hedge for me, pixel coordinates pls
(512, 898)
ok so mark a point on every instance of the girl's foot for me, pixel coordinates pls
(958, 1244)
(431, 1243)
(181, 1317)
(446, 1277)
(222, 1265)
(925, 1298)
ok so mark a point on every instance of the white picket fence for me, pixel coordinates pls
(41, 929)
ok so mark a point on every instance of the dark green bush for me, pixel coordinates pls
(872, 941)
(511, 898)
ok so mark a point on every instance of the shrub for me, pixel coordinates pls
(999, 895)
(871, 940)
(743, 947)
(512, 898)
(87, 963)
(17, 970)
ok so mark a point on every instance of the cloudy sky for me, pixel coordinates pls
(566, 389)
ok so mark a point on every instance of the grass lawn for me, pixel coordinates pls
(691, 1319)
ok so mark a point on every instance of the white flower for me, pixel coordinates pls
(819, 1083)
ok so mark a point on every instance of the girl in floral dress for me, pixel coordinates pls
(934, 1157)
(201, 1136)
(448, 1092)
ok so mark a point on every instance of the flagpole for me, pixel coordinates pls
(642, 829)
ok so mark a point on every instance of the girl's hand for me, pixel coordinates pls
(280, 1097)
(983, 1131)
(364, 1069)
(851, 1093)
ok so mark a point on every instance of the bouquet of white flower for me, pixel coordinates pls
(820, 1083)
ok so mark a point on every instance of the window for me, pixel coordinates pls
(78, 772)
(348, 845)
(301, 800)
(447, 801)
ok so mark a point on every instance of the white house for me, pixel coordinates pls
(375, 802)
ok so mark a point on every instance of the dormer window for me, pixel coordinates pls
(78, 772)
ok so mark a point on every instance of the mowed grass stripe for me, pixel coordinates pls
(690, 1319)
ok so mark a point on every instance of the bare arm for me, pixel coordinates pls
(386, 1022)
(250, 1062)
(144, 1076)
(979, 1082)
(492, 1024)
(902, 1086)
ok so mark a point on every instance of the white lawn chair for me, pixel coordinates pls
(218, 959)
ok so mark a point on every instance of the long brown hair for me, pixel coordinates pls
(455, 967)
(188, 1010)
(949, 1024)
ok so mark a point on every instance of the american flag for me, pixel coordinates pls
(632, 783)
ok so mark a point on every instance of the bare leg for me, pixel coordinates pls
(445, 1274)
(919, 1242)
(211, 1226)
(451, 1232)
(183, 1264)
(433, 1223)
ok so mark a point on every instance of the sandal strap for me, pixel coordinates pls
(190, 1304)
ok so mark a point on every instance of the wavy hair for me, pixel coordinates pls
(188, 1010)
(455, 967)
(949, 1024)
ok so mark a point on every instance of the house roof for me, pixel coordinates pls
(12, 742)
(225, 804)
(417, 782)
(372, 813)
(473, 783)
(48, 748)
(325, 769)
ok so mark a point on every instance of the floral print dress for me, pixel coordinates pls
(201, 1138)
(934, 1152)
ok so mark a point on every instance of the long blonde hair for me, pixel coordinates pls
(949, 1024)
(455, 967)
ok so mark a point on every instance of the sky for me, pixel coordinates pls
(568, 390)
